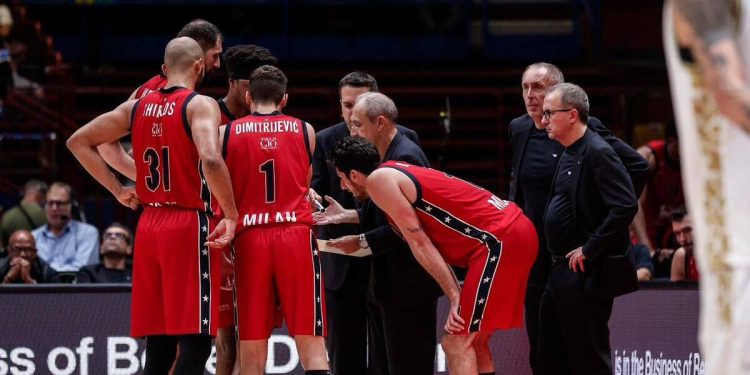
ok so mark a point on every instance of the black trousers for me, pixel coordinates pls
(534, 290)
(347, 331)
(574, 329)
(402, 341)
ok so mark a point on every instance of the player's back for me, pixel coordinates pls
(168, 169)
(153, 84)
(269, 160)
(457, 215)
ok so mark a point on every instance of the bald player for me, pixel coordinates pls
(179, 169)
(210, 39)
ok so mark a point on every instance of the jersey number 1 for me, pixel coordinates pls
(267, 169)
(155, 176)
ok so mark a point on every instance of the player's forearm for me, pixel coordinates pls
(639, 225)
(116, 156)
(428, 256)
(217, 177)
(94, 164)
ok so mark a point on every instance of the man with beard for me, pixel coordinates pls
(683, 263)
(115, 248)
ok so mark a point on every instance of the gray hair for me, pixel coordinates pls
(573, 96)
(35, 185)
(376, 104)
(553, 72)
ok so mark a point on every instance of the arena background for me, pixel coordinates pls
(455, 62)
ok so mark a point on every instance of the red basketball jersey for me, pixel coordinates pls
(155, 83)
(226, 115)
(168, 168)
(269, 159)
(458, 216)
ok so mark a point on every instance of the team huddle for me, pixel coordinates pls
(226, 235)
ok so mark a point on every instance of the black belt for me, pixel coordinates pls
(559, 259)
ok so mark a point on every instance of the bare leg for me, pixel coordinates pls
(253, 354)
(460, 354)
(226, 351)
(312, 352)
(481, 346)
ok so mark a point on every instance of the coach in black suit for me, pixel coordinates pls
(405, 296)
(591, 205)
(346, 278)
(535, 158)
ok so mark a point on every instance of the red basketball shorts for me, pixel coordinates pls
(173, 292)
(278, 265)
(495, 285)
(226, 288)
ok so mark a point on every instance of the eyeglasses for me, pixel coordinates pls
(115, 235)
(546, 114)
(19, 250)
(57, 203)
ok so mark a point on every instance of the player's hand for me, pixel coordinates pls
(223, 234)
(454, 324)
(334, 214)
(128, 198)
(314, 199)
(575, 259)
(347, 244)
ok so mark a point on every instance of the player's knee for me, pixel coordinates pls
(225, 347)
(455, 344)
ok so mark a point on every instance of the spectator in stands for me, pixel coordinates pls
(66, 244)
(683, 264)
(22, 265)
(663, 193)
(28, 214)
(115, 248)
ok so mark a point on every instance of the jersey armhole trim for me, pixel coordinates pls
(307, 142)
(132, 114)
(185, 121)
(413, 179)
(225, 141)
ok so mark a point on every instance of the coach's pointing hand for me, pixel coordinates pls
(223, 234)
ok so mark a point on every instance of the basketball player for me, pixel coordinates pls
(269, 157)
(445, 221)
(210, 39)
(179, 168)
(708, 56)
(240, 61)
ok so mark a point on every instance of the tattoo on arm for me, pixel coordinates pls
(415, 229)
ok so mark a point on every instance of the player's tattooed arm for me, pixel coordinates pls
(415, 229)
(706, 27)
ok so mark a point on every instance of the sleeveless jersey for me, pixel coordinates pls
(269, 159)
(458, 216)
(226, 114)
(155, 83)
(168, 168)
(664, 192)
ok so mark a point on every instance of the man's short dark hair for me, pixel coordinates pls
(203, 32)
(241, 60)
(267, 84)
(679, 213)
(359, 79)
(36, 185)
(124, 227)
(354, 153)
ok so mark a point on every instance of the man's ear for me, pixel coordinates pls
(248, 99)
(380, 122)
(284, 101)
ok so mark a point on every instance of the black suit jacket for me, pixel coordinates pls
(326, 182)
(605, 202)
(521, 127)
(398, 279)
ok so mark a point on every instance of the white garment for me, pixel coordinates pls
(715, 159)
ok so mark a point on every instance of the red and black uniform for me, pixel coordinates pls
(226, 288)
(276, 255)
(474, 229)
(153, 84)
(172, 289)
(664, 195)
